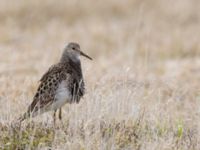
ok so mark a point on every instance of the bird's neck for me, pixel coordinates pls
(68, 57)
(73, 61)
(75, 65)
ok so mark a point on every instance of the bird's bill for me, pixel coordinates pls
(83, 54)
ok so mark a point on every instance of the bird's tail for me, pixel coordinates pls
(23, 117)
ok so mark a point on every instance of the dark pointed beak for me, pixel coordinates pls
(83, 54)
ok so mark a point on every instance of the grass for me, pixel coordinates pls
(30, 137)
(124, 134)
(142, 89)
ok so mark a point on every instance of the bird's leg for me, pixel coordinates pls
(60, 114)
(60, 117)
(54, 118)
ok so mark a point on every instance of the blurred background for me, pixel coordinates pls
(156, 36)
(155, 42)
(156, 29)
(146, 54)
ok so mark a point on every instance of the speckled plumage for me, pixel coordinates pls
(62, 83)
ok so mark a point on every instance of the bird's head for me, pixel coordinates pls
(73, 51)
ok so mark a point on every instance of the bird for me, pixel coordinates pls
(62, 83)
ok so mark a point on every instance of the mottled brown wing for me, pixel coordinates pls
(52, 70)
(47, 88)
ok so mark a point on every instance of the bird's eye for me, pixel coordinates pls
(73, 48)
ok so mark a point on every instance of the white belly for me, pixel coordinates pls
(62, 96)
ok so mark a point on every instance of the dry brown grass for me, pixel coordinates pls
(142, 87)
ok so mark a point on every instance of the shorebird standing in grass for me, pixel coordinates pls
(62, 83)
